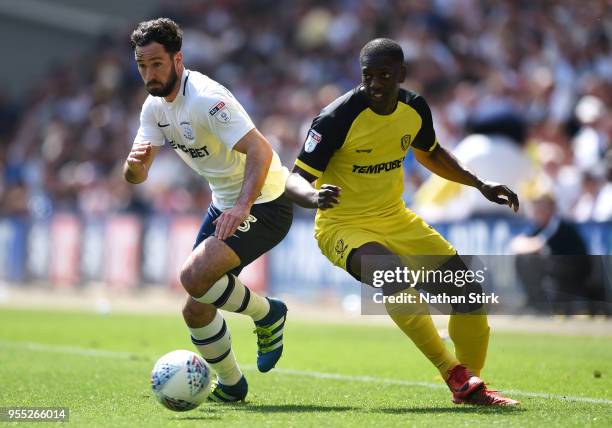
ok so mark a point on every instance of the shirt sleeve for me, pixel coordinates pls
(227, 119)
(321, 142)
(426, 137)
(149, 130)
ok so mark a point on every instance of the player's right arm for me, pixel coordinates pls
(138, 162)
(300, 190)
(320, 145)
(146, 145)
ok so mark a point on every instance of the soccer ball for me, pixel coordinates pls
(180, 380)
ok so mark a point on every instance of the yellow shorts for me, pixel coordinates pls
(405, 234)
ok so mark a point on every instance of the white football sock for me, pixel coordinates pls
(215, 344)
(230, 294)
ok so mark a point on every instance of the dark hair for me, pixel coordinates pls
(383, 47)
(161, 30)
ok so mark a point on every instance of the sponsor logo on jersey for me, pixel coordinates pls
(312, 140)
(200, 152)
(405, 141)
(340, 248)
(187, 131)
(220, 112)
(378, 168)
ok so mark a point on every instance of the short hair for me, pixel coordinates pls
(164, 31)
(383, 47)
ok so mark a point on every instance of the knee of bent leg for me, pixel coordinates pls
(192, 279)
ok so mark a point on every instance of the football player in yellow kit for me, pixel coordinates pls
(354, 153)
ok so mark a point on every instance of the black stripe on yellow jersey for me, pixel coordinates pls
(351, 146)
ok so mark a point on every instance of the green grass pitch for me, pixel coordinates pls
(330, 375)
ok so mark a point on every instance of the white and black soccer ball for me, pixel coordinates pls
(180, 380)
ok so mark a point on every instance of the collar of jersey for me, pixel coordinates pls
(182, 91)
(389, 116)
(361, 90)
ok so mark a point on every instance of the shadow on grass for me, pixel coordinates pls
(456, 410)
(289, 408)
(204, 413)
(210, 412)
(202, 417)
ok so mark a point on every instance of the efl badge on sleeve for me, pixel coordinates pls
(312, 140)
(220, 112)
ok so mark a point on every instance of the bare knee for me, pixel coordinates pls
(206, 264)
(188, 279)
(193, 279)
(198, 314)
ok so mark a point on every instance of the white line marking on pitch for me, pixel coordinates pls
(87, 352)
(372, 379)
(91, 352)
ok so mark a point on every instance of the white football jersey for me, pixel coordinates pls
(202, 125)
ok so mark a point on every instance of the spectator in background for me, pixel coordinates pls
(553, 262)
(590, 142)
(493, 136)
(603, 205)
(589, 191)
(561, 175)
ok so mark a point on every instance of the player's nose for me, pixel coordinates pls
(149, 76)
(376, 84)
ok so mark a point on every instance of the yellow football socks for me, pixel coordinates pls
(470, 334)
(417, 324)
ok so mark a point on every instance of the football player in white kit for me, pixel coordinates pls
(249, 214)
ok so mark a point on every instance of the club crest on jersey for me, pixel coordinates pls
(187, 131)
(220, 112)
(312, 140)
(405, 141)
(340, 248)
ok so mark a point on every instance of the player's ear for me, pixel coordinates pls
(178, 58)
(402, 73)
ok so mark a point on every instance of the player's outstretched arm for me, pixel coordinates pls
(138, 162)
(441, 162)
(300, 190)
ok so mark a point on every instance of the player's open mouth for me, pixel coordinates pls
(378, 96)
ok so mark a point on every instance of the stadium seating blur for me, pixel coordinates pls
(63, 142)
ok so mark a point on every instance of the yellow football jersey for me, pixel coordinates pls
(351, 146)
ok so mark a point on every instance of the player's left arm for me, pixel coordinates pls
(258, 153)
(441, 162)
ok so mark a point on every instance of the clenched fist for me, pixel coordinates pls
(139, 160)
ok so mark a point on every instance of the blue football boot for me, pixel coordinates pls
(229, 393)
(270, 335)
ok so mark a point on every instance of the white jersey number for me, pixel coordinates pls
(246, 225)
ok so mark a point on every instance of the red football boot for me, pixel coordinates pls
(486, 397)
(462, 382)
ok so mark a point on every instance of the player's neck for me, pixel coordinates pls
(177, 85)
(384, 109)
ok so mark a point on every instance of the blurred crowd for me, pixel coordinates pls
(546, 64)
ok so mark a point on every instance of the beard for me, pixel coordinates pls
(165, 89)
